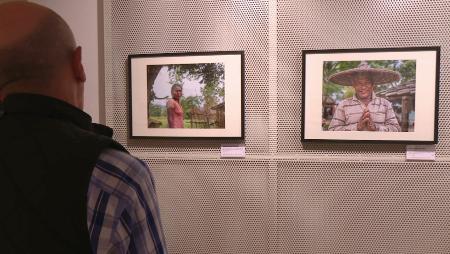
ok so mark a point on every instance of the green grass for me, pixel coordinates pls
(162, 119)
(187, 123)
(165, 124)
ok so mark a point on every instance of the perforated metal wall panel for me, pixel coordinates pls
(212, 206)
(285, 197)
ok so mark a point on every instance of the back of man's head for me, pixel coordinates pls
(34, 43)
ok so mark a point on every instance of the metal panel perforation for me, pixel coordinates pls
(359, 207)
(211, 206)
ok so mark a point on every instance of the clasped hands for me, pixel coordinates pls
(366, 123)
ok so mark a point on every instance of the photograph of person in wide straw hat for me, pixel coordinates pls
(356, 95)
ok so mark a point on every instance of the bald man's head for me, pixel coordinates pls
(34, 43)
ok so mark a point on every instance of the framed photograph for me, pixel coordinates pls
(186, 95)
(371, 95)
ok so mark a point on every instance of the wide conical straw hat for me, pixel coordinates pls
(377, 75)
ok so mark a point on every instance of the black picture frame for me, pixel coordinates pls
(418, 85)
(212, 105)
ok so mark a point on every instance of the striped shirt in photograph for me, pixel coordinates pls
(349, 112)
(123, 212)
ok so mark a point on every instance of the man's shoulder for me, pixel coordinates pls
(122, 165)
(121, 160)
(119, 172)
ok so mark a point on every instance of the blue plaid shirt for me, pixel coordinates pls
(123, 213)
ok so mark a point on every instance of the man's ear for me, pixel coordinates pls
(77, 66)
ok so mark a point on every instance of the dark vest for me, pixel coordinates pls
(48, 149)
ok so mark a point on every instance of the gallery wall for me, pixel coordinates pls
(285, 196)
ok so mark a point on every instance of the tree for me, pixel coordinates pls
(155, 110)
(190, 102)
(335, 91)
(210, 74)
(408, 70)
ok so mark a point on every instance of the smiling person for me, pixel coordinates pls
(364, 111)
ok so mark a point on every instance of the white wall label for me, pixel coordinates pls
(421, 152)
(229, 151)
